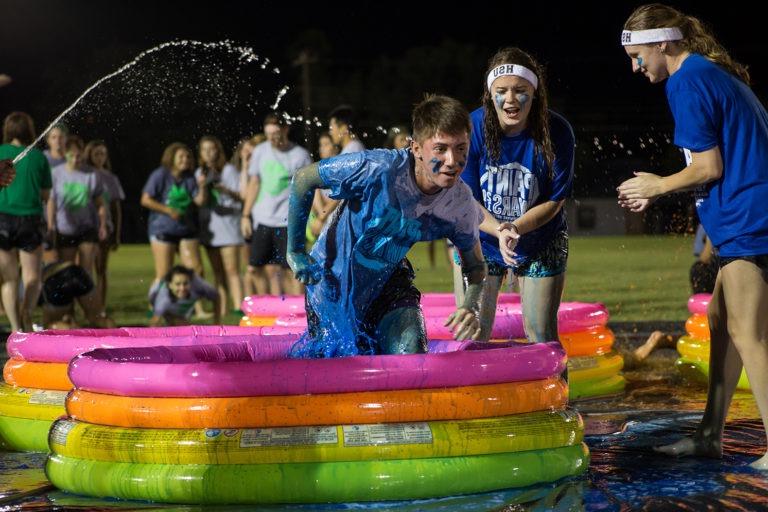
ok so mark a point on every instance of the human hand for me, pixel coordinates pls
(464, 324)
(246, 229)
(509, 236)
(305, 269)
(7, 172)
(636, 205)
(643, 186)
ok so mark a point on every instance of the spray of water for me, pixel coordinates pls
(246, 55)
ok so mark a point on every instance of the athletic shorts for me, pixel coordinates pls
(550, 261)
(25, 232)
(269, 246)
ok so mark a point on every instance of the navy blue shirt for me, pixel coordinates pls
(178, 194)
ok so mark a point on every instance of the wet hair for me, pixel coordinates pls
(88, 154)
(221, 159)
(343, 114)
(538, 117)
(697, 36)
(73, 141)
(439, 114)
(178, 269)
(169, 153)
(18, 125)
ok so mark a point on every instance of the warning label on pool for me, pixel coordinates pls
(289, 436)
(393, 433)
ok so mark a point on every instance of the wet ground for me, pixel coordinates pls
(625, 473)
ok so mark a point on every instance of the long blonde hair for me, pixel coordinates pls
(697, 36)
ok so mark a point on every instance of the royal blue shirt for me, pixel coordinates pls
(520, 180)
(712, 108)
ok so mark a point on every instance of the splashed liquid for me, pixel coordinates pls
(245, 56)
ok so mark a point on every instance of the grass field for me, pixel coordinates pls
(637, 278)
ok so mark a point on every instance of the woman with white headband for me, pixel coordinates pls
(520, 168)
(723, 130)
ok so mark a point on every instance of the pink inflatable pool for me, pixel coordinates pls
(260, 368)
(698, 303)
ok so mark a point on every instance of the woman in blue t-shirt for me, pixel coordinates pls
(723, 130)
(520, 168)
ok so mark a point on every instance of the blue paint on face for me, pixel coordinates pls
(639, 62)
(499, 99)
(523, 98)
(436, 165)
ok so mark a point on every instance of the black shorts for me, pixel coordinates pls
(269, 246)
(64, 282)
(89, 235)
(172, 239)
(761, 260)
(24, 232)
(398, 292)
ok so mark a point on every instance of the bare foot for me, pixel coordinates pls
(761, 463)
(692, 446)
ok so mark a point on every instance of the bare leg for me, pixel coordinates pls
(274, 274)
(31, 270)
(90, 303)
(724, 369)
(488, 300)
(189, 253)
(657, 339)
(458, 278)
(290, 284)
(102, 259)
(220, 282)
(162, 254)
(402, 331)
(249, 285)
(260, 282)
(9, 270)
(230, 257)
(540, 297)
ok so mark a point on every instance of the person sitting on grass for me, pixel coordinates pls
(173, 299)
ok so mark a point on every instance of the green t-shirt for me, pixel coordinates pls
(33, 174)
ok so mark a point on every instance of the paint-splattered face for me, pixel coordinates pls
(441, 159)
(512, 98)
(649, 60)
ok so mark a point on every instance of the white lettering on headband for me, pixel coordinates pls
(654, 35)
(512, 70)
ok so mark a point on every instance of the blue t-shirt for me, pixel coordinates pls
(712, 108)
(519, 181)
(178, 194)
(383, 215)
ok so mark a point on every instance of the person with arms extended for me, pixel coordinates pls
(360, 296)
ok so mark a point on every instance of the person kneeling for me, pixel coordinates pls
(173, 299)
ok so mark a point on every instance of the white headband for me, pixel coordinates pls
(512, 70)
(654, 35)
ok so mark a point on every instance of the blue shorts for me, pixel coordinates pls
(551, 260)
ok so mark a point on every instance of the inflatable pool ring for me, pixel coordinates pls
(32, 404)
(448, 299)
(331, 482)
(338, 443)
(600, 388)
(396, 406)
(23, 434)
(698, 303)
(698, 371)
(257, 321)
(587, 368)
(508, 324)
(697, 326)
(31, 374)
(593, 342)
(63, 348)
(693, 349)
(268, 305)
(244, 370)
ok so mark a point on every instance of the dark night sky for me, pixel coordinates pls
(54, 50)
